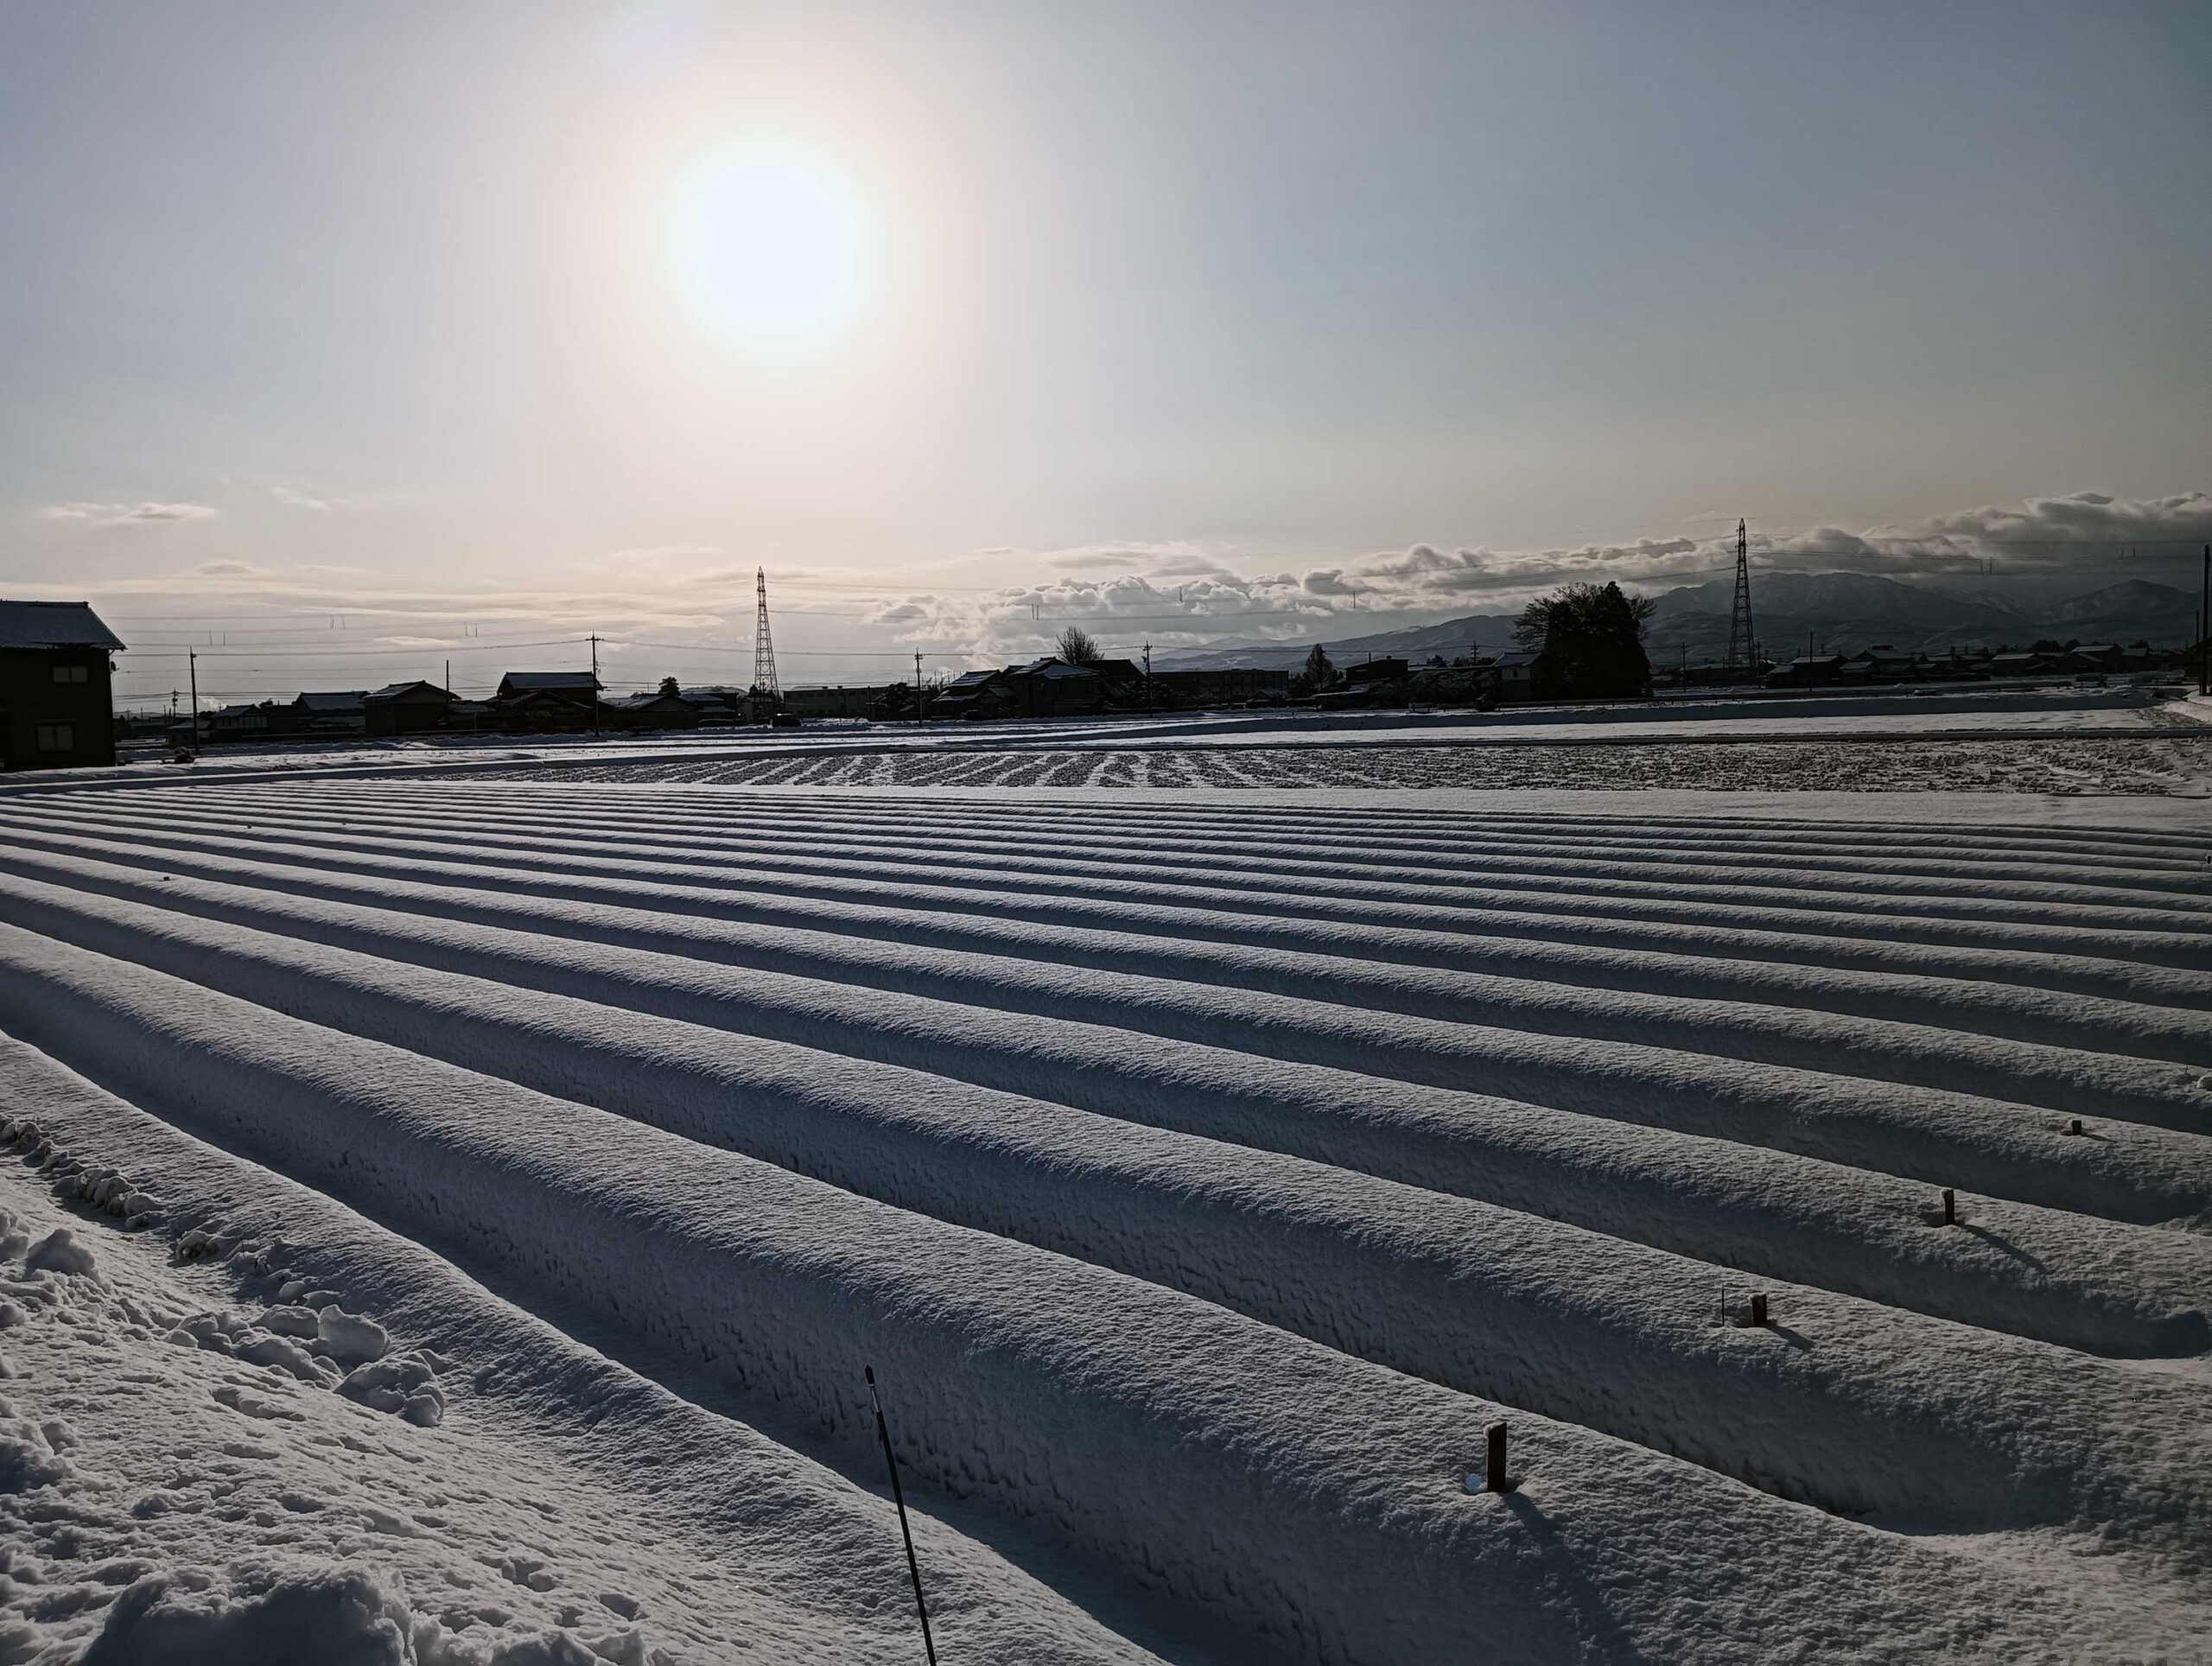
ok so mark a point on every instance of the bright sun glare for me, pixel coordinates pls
(772, 249)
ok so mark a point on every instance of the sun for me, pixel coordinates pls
(772, 248)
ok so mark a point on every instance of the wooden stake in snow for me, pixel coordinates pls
(1758, 1309)
(1494, 1478)
(2074, 1126)
(913, 1568)
(1950, 1207)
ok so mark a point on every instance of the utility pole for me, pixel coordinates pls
(1147, 679)
(447, 684)
(595, 685)
(918, 688)
(2204, 635)
(192, 665)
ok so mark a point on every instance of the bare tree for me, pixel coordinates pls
(1077, 648)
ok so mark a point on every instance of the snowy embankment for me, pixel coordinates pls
(508, 1532)
(1208, 1179)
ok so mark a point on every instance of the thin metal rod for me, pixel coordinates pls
(897, 1497)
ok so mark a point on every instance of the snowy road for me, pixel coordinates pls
(1202, 1177)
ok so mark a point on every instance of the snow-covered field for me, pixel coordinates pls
(2082, 740)
(2055, 763)
(482, 1197)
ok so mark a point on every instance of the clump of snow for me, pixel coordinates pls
(333, 1616)
(60, 1252)
(406, 1385)
(285, 1355)
(285, 1321)
(349, 1338)
(32, 1454)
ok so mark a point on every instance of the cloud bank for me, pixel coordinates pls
(2091, 534)
(124, 514)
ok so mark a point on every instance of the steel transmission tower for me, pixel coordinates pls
(1743, 650)
(764, 649)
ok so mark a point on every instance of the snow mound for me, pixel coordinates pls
(60, 1252)
(330, 1617)
(1199, 1183)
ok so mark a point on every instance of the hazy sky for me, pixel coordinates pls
(552, 316)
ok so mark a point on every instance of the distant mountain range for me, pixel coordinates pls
(1834, 611)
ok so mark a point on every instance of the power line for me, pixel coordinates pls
(180, 652)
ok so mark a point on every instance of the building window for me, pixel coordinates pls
(72, 673)
(57, 737)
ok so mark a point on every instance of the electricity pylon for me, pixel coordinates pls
(1743, 650)
(764, 649)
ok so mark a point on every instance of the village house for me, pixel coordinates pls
(338, 713)
(974, 694)
(831, 702)
(654, 710)
(55, 709)
(536, 703)
(417, 708)
(1052, 688)
(1516, 674)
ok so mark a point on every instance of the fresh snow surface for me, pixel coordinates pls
(447, 1220)
(2008, 739)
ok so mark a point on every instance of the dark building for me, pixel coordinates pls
(1376, 670)
(579, 688)
(1229, 685)
(831, 702)
(1052, 688)
(974, 694)
(654, 711)
(55, 709)
(417, 708)
(1516, 674)
(1810, 670)
(339, 712)
(541, 702)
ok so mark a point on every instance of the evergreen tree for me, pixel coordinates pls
(1589, 642)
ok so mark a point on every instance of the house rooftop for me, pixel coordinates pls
(54, 624)
(393, 691)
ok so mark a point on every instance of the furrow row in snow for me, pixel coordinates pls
(2128, 1172)
(2076, 1021)
(1330, 854)
(2165, 1093)
(2039, 1273)
(1554, 1319)
(2050, 903)
(1310, 1496)
(2182, 958)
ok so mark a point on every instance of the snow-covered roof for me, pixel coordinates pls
(524, 681)
(1516, 659)
(54, 624)
(342, 700)
(393, 691)
(1050, 667)
(971, 680)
